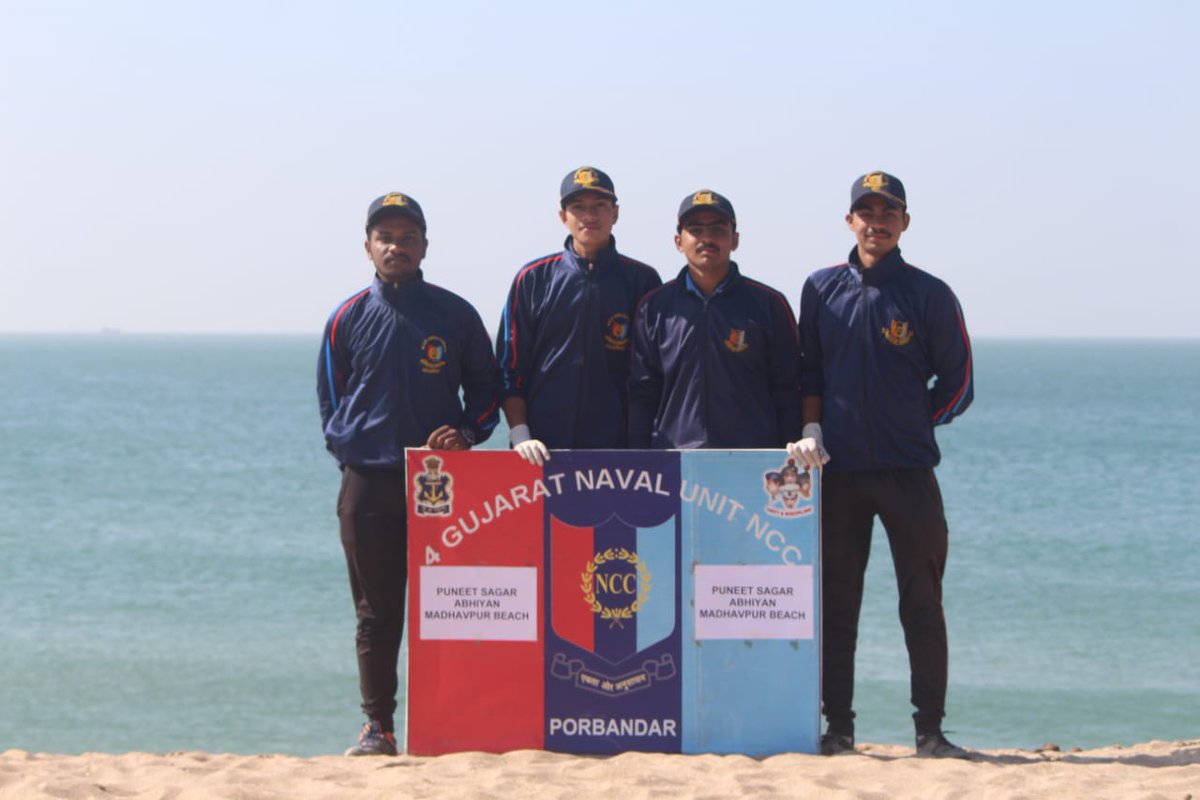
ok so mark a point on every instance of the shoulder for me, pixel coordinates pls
(348, 307)
(447, 299)
(633, 265)
(763, 290)
(927, 282)
(546, 262)
(658, 297)
(827, 275)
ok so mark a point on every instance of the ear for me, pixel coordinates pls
(849, 219)
(616, 213)
(734, 244)
(367, 247)
(906, 221)
(679, 242)
(562, 216)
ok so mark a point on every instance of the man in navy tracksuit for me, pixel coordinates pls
(563, 343)
(874, 332)
(716, 355)
(393, 359)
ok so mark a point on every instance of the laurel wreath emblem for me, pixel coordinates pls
(615, 614)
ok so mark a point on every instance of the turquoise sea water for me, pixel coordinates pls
(171, 577)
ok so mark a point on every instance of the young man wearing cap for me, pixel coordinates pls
(393, 359)
(716, 356)
(563, 343)
(874, 332)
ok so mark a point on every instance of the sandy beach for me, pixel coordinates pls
(1157, 769)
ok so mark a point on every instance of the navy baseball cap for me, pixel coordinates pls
(395, 204)
(886, 186)
(586, 179)
(707, 200)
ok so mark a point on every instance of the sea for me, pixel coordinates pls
(171, 576)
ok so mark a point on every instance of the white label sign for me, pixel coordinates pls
(488, 603)
(754, 601)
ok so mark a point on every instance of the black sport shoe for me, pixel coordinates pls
(834, 744)
(936, 745)
(374, 741)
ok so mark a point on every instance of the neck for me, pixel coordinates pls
(586, 253)
(867, 260)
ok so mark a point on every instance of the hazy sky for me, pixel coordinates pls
(207, 166)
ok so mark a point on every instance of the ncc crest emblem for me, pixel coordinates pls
(897, 333)
(735, 342)
(616, 583)
(433, 490)
(433, 355)
(789, 490)
(616, 332)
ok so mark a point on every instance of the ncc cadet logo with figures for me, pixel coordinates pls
(616, 332)
(703, 199)
(395, 199)
(434, 493)
(789, 490)
(433, 354)
(897, 333)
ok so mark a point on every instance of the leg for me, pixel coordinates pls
(915, 521)
(371, 515)
(846, 521)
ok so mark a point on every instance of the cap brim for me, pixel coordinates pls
(605, 193)
(891, 200)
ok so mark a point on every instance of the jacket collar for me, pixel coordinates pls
(727, 283)
(393, 293)
(891, 264)
(604, 259)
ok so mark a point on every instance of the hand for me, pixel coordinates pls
(530, 449)
(810, 450)
(447, 438)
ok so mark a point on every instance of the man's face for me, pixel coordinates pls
(877, 225)
(590, 218)
(396, 246)
(707, 240)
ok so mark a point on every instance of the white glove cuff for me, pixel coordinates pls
(812, 431)
(519, 433)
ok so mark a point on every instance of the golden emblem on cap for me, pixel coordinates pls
(585, 176)
(395, 199)
(704, 198)
(875, 181)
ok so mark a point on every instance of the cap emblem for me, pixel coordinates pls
(703, 199)
(394, 199)
(585, 177)
(875, 181)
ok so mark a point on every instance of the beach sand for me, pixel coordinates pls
(1168, 770)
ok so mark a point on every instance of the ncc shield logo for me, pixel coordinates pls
(613, 586)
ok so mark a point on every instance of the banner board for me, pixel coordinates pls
(663, 601)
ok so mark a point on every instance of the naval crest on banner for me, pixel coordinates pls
(433, 490)
(789, 490)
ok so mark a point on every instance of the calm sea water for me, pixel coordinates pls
(171, 577)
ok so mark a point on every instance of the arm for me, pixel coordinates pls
(645, 381)
(950, 348)
(810, 448)
(480, 385)
(783, 367)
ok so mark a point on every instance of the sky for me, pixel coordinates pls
(206, 167)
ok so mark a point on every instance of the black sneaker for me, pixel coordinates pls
(374, 741)
(834, 744)
(936, 745)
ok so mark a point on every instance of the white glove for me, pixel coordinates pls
(532, 450)
(810, 450)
